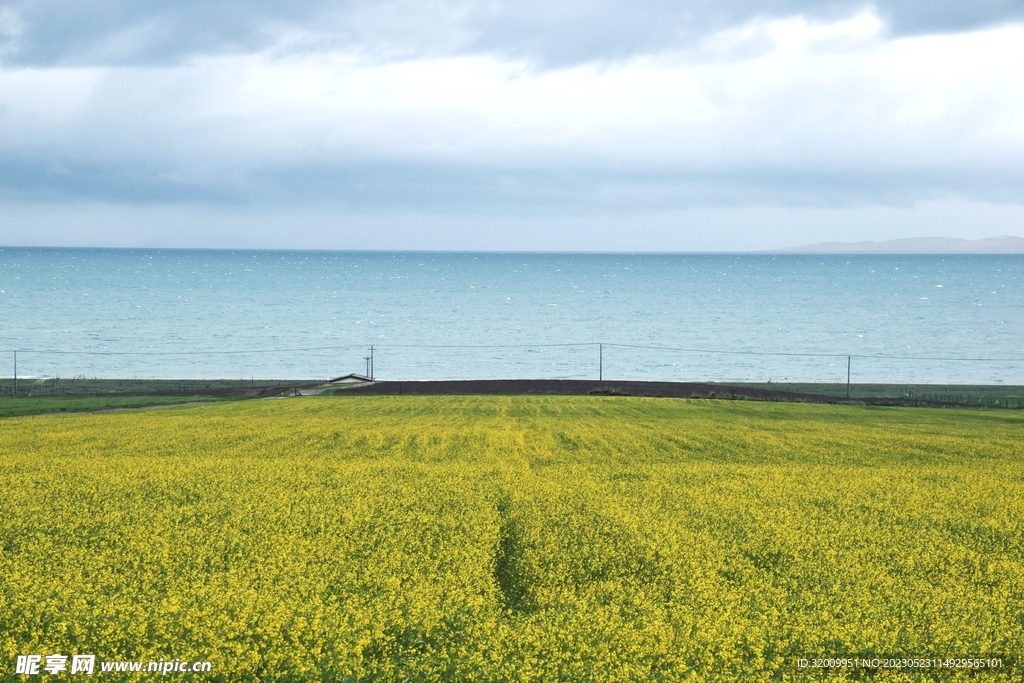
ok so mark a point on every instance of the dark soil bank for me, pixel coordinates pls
(618, 388)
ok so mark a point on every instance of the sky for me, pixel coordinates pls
(509, 125)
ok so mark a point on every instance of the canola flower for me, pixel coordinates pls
(513, 538)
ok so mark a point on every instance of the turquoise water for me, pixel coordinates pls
(226, 314)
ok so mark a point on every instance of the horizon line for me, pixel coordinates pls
(783, 251)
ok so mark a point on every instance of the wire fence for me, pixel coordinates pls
(553, 360)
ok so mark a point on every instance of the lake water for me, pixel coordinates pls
(307, 315)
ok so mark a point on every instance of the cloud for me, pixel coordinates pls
(786, 111)
(122, 32)
(504, 112)
(582, 31)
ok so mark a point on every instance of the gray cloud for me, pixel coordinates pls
(308, 124)
(925, 16)
(106, 32)
(452, 188)
(580, 31)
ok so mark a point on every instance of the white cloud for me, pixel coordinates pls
(796, 34)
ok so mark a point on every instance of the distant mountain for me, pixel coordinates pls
(1004, 244)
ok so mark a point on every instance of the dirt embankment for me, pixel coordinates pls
(619, 388)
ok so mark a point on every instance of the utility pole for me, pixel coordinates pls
(371, 362)
(15, 374)
(600, 362)
(848, 376)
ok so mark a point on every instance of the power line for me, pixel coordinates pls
(308, 348)
(808, 354)
(731, 353)
(599, 345)
(943, 358)
(187, 353)
(483, 346)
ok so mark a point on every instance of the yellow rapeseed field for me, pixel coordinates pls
(512, 538)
